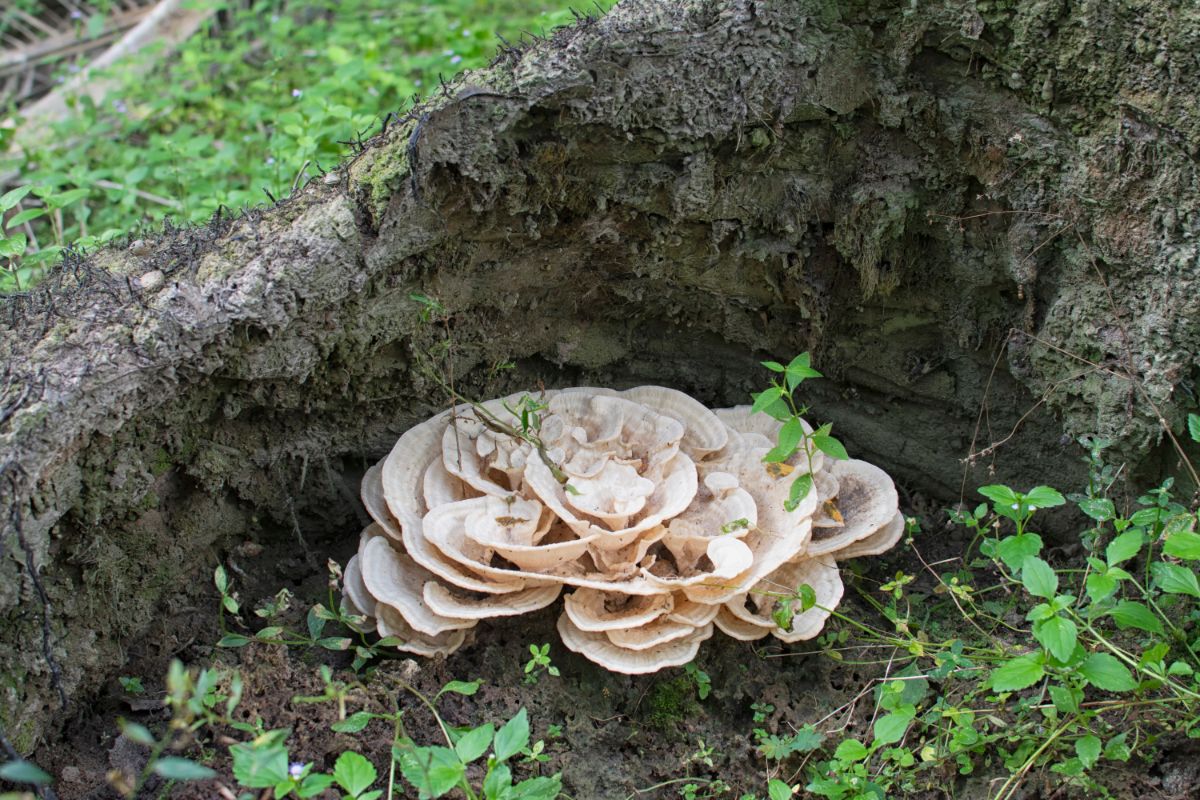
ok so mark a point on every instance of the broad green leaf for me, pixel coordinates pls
(498, 783)
(1105, 672)
(999, 494)
(512, 737)
(1183, 544)
(467, 688)
(774, 366)
(259, 767)
(1100, 585)
(181, 769)
(353, 772)
(434, 771)
(1043, 497)
(353, 723)
(1058, 635)
(1116, 749)
(800, 489)
(851, 750)
(9, 200)
(1087, 748)
(1100, 509)
(890, 728)
(1129, 614)
(1039, 577)
(313, 785)
(1175, 579)
(13, 246)
(1194, 427)
(778, 790)
(540, 788)
(800, 361)
(1013, 550)
(1124, 547)
(831, 447)
(475, 742)
(1018, 673)
(765, 398)
(1064, 699)
(20, 771)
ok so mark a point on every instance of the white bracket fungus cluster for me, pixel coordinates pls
(657, 514)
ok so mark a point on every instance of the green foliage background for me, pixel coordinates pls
(241, 108)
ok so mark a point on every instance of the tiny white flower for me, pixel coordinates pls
(295, 769)
(1033, 508)
(456, 60)
(447, 52)
(296, 92)
(1016, 506)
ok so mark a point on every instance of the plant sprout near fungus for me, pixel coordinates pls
(660, 518)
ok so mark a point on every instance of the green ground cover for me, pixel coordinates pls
(249, 106)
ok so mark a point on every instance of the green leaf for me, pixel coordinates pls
(474, 743)
(467, 688)
(353, 772)
(1100, 509)
(9, 200)
(1043, 497)
(766, 398)
(1058, 635)
(800, 489)
(230, 604)
(999, 494)
(315, 622)
(851, 750)
(774, 366)
(13, 246)
(136, 733)
(1175, 579)
(1105, 672)
(433, 770)
(890, 728)
(181, 769)
(1194, 427)
(1039, 577)
(1087, 748)
(233, 640)
(1018, 673)
(789, 437)
(1116, 749)
(831, 447)
(512, 737)
(1183, 544)
(1100, 585)
(353, 723)
(1064, 699)
(778, 790)
(21, 771)
(336, 643)
(541, 788)
(28, 215)
(259, 767)
(1013, 550)
(1129, 614)
(313, 785)
(498, 783)
(1123, 548)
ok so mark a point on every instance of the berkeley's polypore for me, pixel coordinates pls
(656, 514)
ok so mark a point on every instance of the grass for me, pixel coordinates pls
(248, 108)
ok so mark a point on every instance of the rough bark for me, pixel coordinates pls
(979, 216)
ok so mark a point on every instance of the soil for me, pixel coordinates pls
(612, 737)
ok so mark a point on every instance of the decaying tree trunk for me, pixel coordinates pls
(979, 219)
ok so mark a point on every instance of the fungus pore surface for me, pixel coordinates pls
(657, 515)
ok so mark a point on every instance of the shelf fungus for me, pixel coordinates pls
(657, 516)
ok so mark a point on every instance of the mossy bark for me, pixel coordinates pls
(979, 216)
